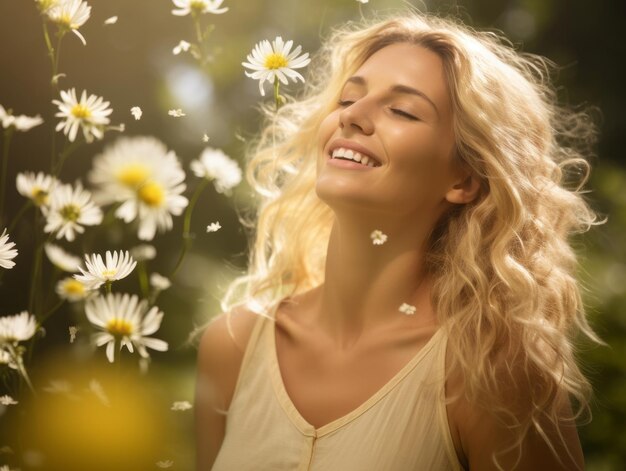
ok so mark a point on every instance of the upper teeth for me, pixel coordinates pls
(354, 155)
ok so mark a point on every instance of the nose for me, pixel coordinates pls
(356, 117)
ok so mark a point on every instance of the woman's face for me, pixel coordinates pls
(395, 110)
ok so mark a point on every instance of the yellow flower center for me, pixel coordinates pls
(119, 327)
(81, 111)
(133, 175)
(65, 19)
(70, 212)
(275, 61)
(109, 273)
(197, 6)
(40, 197)
(46, 4)
(152, 194)
(74, 287)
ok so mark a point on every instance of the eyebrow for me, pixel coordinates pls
(358, 80)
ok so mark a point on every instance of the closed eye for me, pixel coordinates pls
(344, 102)
(404, 114)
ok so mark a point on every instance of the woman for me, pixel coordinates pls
(418, 307)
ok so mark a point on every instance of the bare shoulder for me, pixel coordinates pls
(222, 347)
(478, 434)
(220, 353)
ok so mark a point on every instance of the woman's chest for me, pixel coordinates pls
(325, 385)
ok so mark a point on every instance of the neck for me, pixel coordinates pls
(365, 284)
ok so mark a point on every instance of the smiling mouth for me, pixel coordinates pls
(341, 153)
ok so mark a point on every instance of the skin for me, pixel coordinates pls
(346, 338)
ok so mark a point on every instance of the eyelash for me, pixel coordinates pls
(394, 110)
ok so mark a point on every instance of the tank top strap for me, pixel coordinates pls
(251, 346)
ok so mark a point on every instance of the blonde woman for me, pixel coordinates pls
(410, 302)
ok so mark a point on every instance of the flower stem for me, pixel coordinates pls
(51, 311)
(107, 286)
(8, 134)
(67, 151)
(19, 215)
(46, 36)
(19, 362)
(196, 24)
(187, 224)
(277, 98)
(143, 279)
(34, 282)
(55, 66)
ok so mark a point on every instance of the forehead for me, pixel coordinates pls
(411, 65)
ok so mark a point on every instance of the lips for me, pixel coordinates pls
(350, 150)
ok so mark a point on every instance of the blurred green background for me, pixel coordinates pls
(131, 64)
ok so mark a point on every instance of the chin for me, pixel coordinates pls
(340, 195)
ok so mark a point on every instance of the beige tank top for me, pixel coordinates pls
(402, 427)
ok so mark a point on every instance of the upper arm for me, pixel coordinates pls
(481, 435)
(219, 361)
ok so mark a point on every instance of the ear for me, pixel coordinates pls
(465, 190)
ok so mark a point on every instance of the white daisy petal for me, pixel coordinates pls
(7, 252)
(122, 318)
(275, 59)
(17, 328)
(69, 210)
(214, 165)
(69, 15)
(117, 266)
(90, 113)
(146, 178)
(187, 7)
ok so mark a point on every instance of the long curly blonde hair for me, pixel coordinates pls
(505, 288)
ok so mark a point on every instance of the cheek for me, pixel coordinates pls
(326, 130)
(327, 127)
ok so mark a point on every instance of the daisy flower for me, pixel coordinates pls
(124, 321)
(146, 178)
(164, 464)
(378, 238)
(213, 227)
(143, 252)
(89, 113)
(21, 122)
(17, 328)
(125, 166)
(35, 187)
(61, 259)
(45, 5)
(70, 15)
(197, 7)
(72, 290)
(182, 46)
(136, 112)
(70, 209)
(7, 252)
(213, 164)
(154, 205)
(273, 62)
(159, 282)
(118, 265)
(407, 309)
